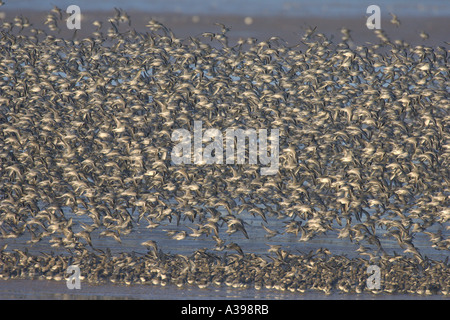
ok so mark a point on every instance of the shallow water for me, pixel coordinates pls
(43, 289)
(257, 242)
(40, 289)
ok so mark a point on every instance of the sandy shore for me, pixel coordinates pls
(289, 28)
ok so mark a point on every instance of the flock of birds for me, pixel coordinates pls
(85, 131)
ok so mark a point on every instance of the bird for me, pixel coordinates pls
(86, 148)
(150, 244)
(270, 233)
(180, 235)
(274, 248)
(236, 247)
(395, 21)
(424, 35)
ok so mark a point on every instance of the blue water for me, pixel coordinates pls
(293, 8)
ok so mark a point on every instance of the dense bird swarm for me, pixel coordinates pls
(85, 131)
